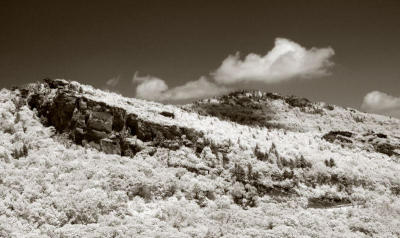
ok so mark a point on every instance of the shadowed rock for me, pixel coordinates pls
(110, 146)
(61, 112)
(101, 121)
(342, 136)
(386, 149)
(107, 128)
(167, 114)
(56, 83)
(297, 102)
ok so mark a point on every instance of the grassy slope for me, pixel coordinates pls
(56, 189)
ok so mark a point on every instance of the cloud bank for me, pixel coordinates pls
(153, 88)
(381, 103)
(287, 60)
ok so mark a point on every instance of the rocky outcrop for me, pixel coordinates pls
(380, 142)
(387, 149)
(298, 102)
(167, 114)
(342, 136)
(110, 129)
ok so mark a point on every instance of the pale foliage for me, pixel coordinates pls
(61, 190)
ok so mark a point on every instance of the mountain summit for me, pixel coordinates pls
(81, 162)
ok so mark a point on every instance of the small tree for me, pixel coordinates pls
(19, 153)
(239, 173)
(330, 163)
(259, 154)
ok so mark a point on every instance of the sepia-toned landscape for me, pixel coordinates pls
(81, 162)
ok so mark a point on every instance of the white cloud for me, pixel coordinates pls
(149, 87)
(381, 103)
(112, 82)
(200, 88)
(156, 89)
(287, 60)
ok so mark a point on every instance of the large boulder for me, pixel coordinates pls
(56, 83)
(79, 135)
(62, 110)
(119, 117)
(78, 119)
(145, 130)
(110, 146)
(100, 121)
(386, 148)
(167, 114)
(342, 136)
(132, 123)
(94, 135)
(297, 102)
(131, 146)
(82, 104)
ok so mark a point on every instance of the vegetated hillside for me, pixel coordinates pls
(80, 162)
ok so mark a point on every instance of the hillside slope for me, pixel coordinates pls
(80, 162)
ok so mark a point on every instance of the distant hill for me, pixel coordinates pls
(76, 161)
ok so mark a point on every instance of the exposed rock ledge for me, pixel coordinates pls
(107, 128)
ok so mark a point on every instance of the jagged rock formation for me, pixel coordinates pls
(107, 128)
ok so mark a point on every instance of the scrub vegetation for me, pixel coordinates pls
(303, 170)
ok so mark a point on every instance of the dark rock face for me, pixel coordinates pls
(274, 96)
(386, 149)
(241, 107)
(94, 135)
(130, 146)
(342, 136)
(110, 129)
(110, 146)
(61, 111)
(297, 102)
(381, 135)
(56, 83)
(167, 114)
(252, 108)
(119, 117)
(326, 202)
(381, 143)
(101, 121)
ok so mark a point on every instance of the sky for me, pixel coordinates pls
(341, 52)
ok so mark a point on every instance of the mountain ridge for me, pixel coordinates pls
(299, 159)
(236, 102)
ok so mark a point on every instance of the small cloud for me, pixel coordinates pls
(201, 88)
(113, 82)
(149, 87)
(287, 60)
(381, 103)
(153, 88)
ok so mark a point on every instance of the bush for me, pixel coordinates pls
(259, 154)
(21, 152)
(330, 163)
(238, 173)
